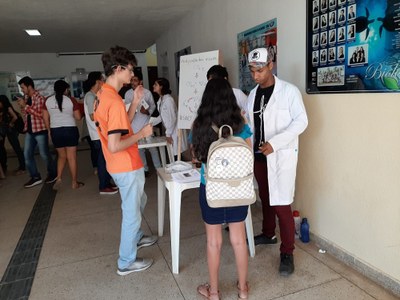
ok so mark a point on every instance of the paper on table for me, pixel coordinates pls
(186, 176)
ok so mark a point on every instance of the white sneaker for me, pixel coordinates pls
(147, 240)
(140, 264)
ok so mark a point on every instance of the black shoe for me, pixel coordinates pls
(50, 179)
(32, 182)
(287, 265)
(261, 239)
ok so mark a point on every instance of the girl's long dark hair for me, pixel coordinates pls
(60, 86)
(218, 106)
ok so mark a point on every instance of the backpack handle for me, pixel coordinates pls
(219, 131)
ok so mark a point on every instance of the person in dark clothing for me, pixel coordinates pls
(8, 129)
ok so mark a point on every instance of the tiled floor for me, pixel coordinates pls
(78, 258)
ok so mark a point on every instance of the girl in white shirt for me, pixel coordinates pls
(60, 114)
(168, 114)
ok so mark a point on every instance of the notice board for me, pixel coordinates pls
(192, 82)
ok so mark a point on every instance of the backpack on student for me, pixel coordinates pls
(229, 172)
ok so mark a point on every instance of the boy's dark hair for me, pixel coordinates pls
(117, 56)
(27, 81)
(138, 74)
(91, 80)
(217, 71)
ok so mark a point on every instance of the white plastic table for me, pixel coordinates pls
(161, 143)
(175, 190)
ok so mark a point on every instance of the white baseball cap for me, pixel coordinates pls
(258, 58)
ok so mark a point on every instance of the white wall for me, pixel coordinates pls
(349, 169)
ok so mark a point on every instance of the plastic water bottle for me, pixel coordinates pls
(297, 222)
(305, 231)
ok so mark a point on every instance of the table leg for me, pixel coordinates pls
(161, 205)
(250, 234)
(162, 154)
(170, 151)
(175, 215)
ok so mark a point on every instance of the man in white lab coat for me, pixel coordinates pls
(277, 117)
(142, 118)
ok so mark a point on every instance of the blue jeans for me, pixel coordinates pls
(102, 174)
(42, 141)
(154, 156)
(133, 201)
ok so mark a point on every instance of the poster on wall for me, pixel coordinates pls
(263, 35)
(353, 46)
(45, 86)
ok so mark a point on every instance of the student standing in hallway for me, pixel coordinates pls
(36, 133)
(168, 115)
(277, 118)
(9, 121)
(119, 144)
(142, 117)
(60, 114)
(219, 107)
(91, 86)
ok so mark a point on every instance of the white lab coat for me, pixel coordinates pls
(168, 115)
(285, 119)
(241, 100)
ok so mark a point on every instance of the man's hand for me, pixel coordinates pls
(21, 102)
(144, 111)
(266, 148)
(170, 140)
(138, 94)
(146, 130)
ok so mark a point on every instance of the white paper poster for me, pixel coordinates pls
(193, 80)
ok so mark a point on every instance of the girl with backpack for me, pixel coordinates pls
(219, 106)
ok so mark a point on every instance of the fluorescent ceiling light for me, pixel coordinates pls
(33, 32)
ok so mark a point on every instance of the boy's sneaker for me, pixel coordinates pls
(147, 240)
(108, 191)
(50, 179)
(287, 265)
(33, 182)
(140, 264)
(261, 239)
(113, 186)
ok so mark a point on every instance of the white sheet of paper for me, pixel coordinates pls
(186, 176)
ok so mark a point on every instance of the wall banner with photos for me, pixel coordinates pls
(353, 46)
(262, 35)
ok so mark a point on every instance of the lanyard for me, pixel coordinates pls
(261, 116)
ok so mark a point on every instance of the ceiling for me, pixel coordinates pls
(87, 25)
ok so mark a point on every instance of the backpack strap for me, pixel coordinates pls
(215, 128)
